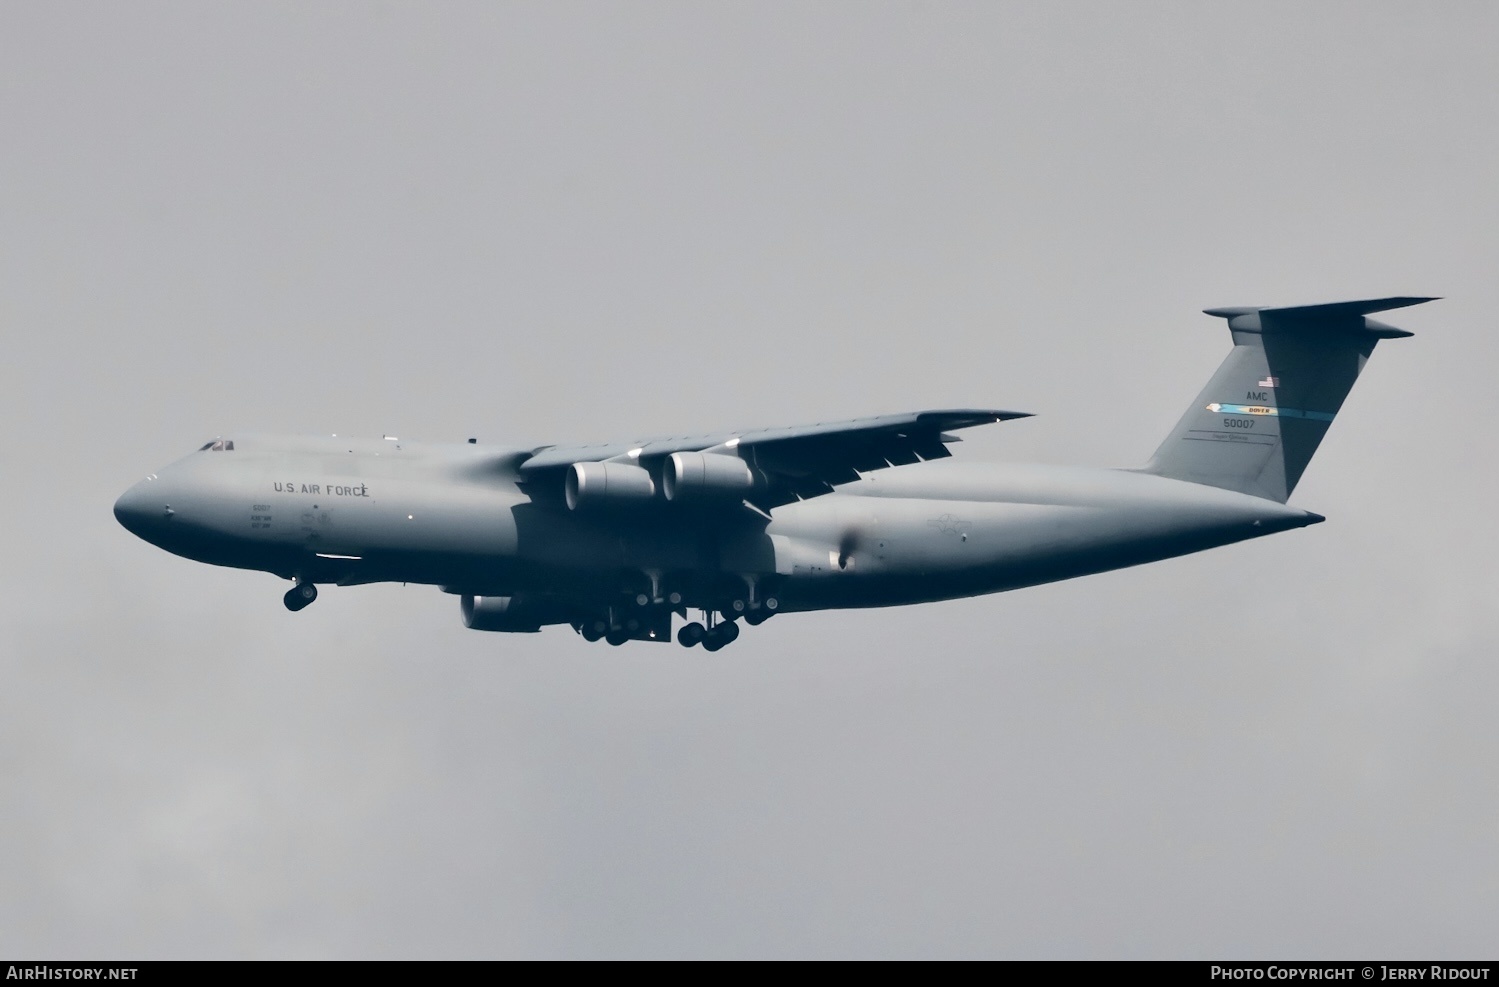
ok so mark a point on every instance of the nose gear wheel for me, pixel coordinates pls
(299, 596)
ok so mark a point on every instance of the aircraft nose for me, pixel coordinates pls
(140, 509)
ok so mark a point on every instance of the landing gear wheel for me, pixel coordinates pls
(763, 612)
(691, 634)
(299, 596)
(617, 637)
(721, 636)
(591, 632)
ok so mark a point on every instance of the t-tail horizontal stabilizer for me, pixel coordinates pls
(1256, 425)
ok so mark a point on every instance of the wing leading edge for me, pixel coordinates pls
(796, 462)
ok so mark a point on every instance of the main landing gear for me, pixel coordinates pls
(599, 630)
(650, 618)
(762, 612)
(299, 596)
(711, 638)
(753, 608)
(618, 625)
(719, 629)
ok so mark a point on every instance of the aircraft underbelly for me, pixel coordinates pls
(897, 550)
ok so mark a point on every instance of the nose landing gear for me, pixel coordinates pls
(299, 596)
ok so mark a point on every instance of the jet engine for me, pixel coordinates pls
(690, 476)
(607, 484)
(515, 614)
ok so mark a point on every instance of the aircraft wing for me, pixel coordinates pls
(796, 462)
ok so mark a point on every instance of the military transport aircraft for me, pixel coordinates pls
(616, 539)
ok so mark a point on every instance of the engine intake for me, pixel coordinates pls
(701, 476)
(607, 484)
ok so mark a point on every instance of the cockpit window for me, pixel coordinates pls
(218, 445)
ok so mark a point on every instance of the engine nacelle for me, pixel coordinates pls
(702, 476)
(514, 614)
(607, 485)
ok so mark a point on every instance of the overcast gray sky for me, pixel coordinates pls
(548, 222)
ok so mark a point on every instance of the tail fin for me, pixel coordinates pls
(1255, 427)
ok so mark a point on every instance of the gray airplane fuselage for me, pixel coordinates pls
(350, 512)
(616, 539)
